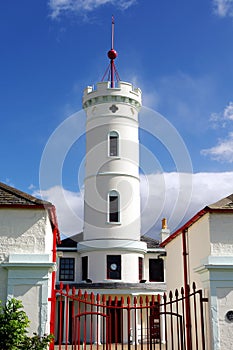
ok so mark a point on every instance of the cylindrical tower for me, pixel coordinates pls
(111, 243)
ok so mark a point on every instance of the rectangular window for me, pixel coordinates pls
(66, 269)
(113, 208)
(140, 268)
(84, 268)
(114, 267)
(113, 139)
(156, 270)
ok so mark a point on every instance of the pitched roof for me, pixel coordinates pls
(223, 205)
(10, 196)
(151, 243)
(71, 242)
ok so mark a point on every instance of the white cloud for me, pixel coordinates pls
(160, 194)
(223, 152)
(222, 119)
(69, 208)
(60, 7)
(223, 8)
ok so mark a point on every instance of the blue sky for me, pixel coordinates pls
(178, 52)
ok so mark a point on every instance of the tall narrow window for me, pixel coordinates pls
(156, 270)
(113, 207)
(84, 268)
(114, 267)
(113, 144)
(140, 268)
(66, 269)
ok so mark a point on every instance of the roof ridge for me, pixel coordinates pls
(23, 195)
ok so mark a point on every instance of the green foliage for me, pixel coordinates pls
(13, 329)
(37, 343)
(13, 325)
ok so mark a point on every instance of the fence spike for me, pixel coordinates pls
(92, 297)
(98, 298)
(116, 300)
(61, 285)
(135, 300)
(182, 291)
(104, 299)
(147, 299)
(85, 295)
(170, 294)
(141, 300)
(128, 300)
(67, 288)
(73, 291)
(110, 299)
(194, 286)
(176, 293)
(122, 301)
(79, 293)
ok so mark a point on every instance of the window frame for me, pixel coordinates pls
(159, 265)
(84, 267)
(113, 274)
(63, 269)
(113, 217)
(113, 144)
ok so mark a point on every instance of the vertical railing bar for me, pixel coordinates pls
(85, 322)
(147, 323)
(135, 321)
(202, 320)
(67, 316)
(195, 316)
(73, 317)
(128, 321)
(177, 322)
(183, 317)
(60, 318)
(171, 322)
(91, 319)
(116, 321)
(159, 316)
(141, 322)
(122, 323)
(165, 319)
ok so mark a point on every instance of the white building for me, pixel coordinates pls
(202, 252)
(28, 234)
(110, 257)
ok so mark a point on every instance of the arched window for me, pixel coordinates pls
(113, 207)
(113, 144)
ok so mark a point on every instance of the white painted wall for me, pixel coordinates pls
(26, 262)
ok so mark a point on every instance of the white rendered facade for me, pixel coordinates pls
(210, 265)
(112, 111)
(26, 255)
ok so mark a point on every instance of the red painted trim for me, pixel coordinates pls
(184, 227)
(53, 293)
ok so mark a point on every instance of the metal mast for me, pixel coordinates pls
(112, 54)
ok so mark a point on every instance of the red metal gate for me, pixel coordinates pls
(169, 322)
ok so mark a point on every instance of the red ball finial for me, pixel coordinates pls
(112, 54)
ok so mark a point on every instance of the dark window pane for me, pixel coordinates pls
(84, 268)
(140, 268)
(113, 209)
(156, 270)
(113, 145)
(66, 270)
(114, 267)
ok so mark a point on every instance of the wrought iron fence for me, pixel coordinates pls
(173, 321)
